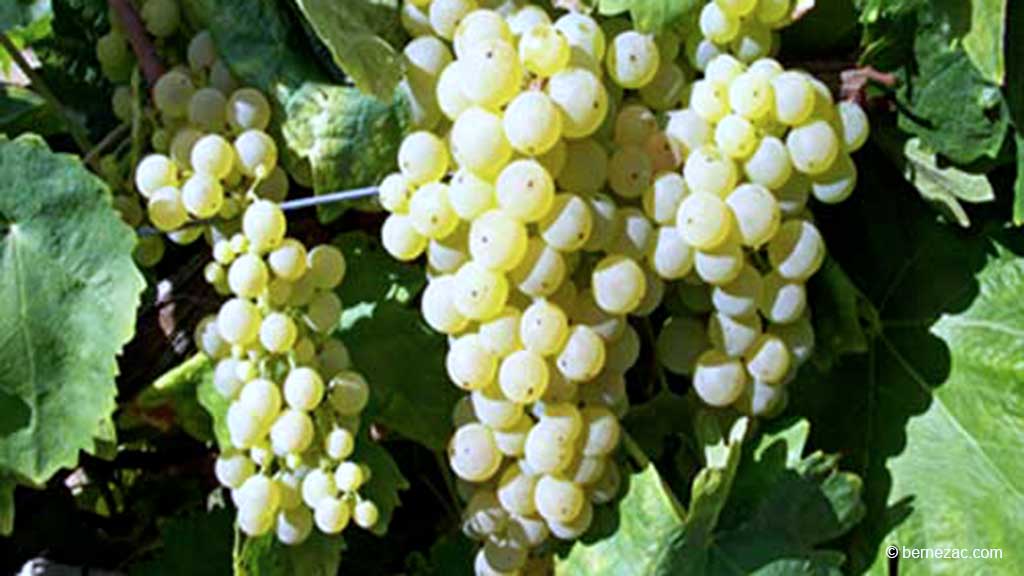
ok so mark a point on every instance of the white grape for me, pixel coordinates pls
(718, 379)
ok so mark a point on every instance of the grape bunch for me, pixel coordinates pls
(533, 267)
(295, 399)
(745, 29)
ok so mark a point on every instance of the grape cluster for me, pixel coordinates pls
(743, 28)
(534, 267)
(295, 400)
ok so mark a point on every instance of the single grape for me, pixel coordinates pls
(619, 284)
(401, 239)
(473, 454)
(630, 171)
(478, 142)
(718, 379)
(172, 94)
(632, 59)
(797, 251)
(525, 190)
(855, 125)
(446, 14)
(672, 257)
(541, 272)
(166, 209)
(733, 335)
(837, 183)
(782, 301)
(756, 214)
(813, 147)
(256, 153)
(582, 100)
(794, 98)
(718, 25)
(586, 167)
(332, 515)
(278, 333)
(704, 220)
(292, 432)
(438, 307)
(532, 123)
(154, 172)
(349, 393)
(768, 359)
(480, 293)
(469, 364)
(739, 298)
(558, 500)
(202, 195)
(423, 158)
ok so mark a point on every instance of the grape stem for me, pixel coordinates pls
(142, 45)
(112, 137)
(75, 127)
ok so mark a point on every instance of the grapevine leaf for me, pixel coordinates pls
(651, 15)
(7, 486)
(825, 27)
(386, 480)
(198, 544)
(23, 37)
(649, 424)
(839, 309)
(319, 555)
(175, 399)
(450, 555)
(68, 294)
(945, 186)
(348, 30)
(885, 410)
(335, 137)
(872, 11)
(18, 13)
(947, 102)
(984, 42)
(402, 359)
(1018, 187)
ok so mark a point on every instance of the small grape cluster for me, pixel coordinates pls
(745, 29)
(533, 285)
(295, 400)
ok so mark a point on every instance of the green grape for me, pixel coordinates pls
(544, 50)
(222, 79)
(750, 96)
(586, 167)
(629, 172)
(425, 58)
(202, 195)
(661, 200)
(256, 153)
(672, 258)
(582, 99)
(794, 98)
(248, 109)
(782, 301)
(755, 212)
(324, 312)
(225, 378)
(797, 251)
(548, 449)
(245, 428)
(122, 103)
(633, 59)
(717, 25)
(558, 500)
(587, 470)
(601, 431)
(499, 558)
(288, 261)
(395, 192)
(532, 123)
(739, 298)
(524, 18)
(543, 328)
(583, 356)
(768, 359)
(349, 476)
(497, 241)
(181, 146)
(451, 100)
(202, 52)
(680, 342)
(515, 491)
(523, 376)
(665, 90)
(721, 264)
(293, 527)
(478, 142)
(431, 212)
(798, 337)
(154, 172)
(213, 155)
(113, 55)
(172, 94)
(525, 190)
(635, 233)
(773, 12)
(365, 514)
(303, 388)
(263, 225)
(718, 379)
(701, 51)
(619, 284)
(760, 399)
(584, 35)
(634, 124)
(262, 398)
(568, 224)
(723, 69)
(446, 14)
(472, 453)
(333, 358)
(161, 17)
(316, 486)
(837, 183)
(469, 364)
(793, 195)
(208, 109)
(688, 129)
(541, 272)
(166, 210)
(587, 312)
(415, 19)
(500, 335)
(855, 125)
(401, 239)
(349, 393)
(438, 307)
(326, 266)
(339, 444)
(769, 165)
(449, 254)
(813, 147)
(480, 293)
(332, 515)
(704, 220)
(709, 171)
(477, 26)
(278, 333)
(291, 433)
(491, 73)
(767, 68)
(554, 160)
(423, 158)
(754, 41)
(233, 470)
(575, 528)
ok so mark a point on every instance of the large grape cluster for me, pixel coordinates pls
(295, 400)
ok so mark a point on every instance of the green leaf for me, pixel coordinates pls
(402, 358)
(386, 480)
(651, 15)
(947, 102)
(335, 137)
(972, 425)
(68, 294)
(984, 42)
(18, 13)
(451, 555)
(830, 27)
(7, 486)
(911, 269)
(319, 555)
(945, 186)
(839, 310)
(213, 402)
(174, 399)
(349, 29)
(1018, 185)
(198, 544)
(874, 10)
(652, 422)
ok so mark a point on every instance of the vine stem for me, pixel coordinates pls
(145, 50)
(112, 137)
(77, 129)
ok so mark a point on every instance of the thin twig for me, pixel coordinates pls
(76, 129)
(145, 50)
(109, 140)
(449, 484)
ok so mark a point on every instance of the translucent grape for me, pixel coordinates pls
(837, 183)
(798, 336)
(491, 73)
(718, 379)
(495, 410)
(263, 225)
(558, 500)
(438, 307)
(619, 284)
(323, 312)
(213, 155)
(680, 342)
(793, 195)
(586, 167)
(480, 293)
(401, 239)
(478, 142)
(288, 261)
(202, 196)
(709, 171)
(248, 109)
(349, 393)
(548, 449)
(721, 264)
(532, 123)
(326, 266)
(446, 14)
(425, 58)
(449, 95)
(736, 136)
(672, 257)
(497, 241)
(629, 171)
(349, 476)
(755, 212)
(469, 364)
(431, 213)
(154, 172)
(782, 301)
(794, 98)
(582, 99)
(584, 34)
(544, 50)
(449, 254)
(294, 526)
(316, 486)
(855, 125)
(754, 41)
(166, 210)
(525, 190)
(632, 59)
(797, 251)
(634, 124)
(769, 165)
(208, 109)
(635, 234)
(161, 17)
(515, 491)
(739, 298)
(423, 158)
(473, 454)
(332, 515)
(733, 335)
(172, 94)
(768, 359)
(813, 147)
(339, 443)
(704, 220)
(292, 432)
(365, 514)
(256, 153)
(717, 25)
(303, 388)
(523, 376)
(583, 355)
(710, 100)
(750, 96)
(772, 12)
(662, 199)
(689, 129)
(666, 88)
(541, 271)
(278, 333)
(477, 26)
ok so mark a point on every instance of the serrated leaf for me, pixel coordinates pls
(18, 13)
(984, 42)
(876, 408)
(651, 16)
(319, 555)
(349, 30)
(972, 425)
(198, 544)
(68, 294)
